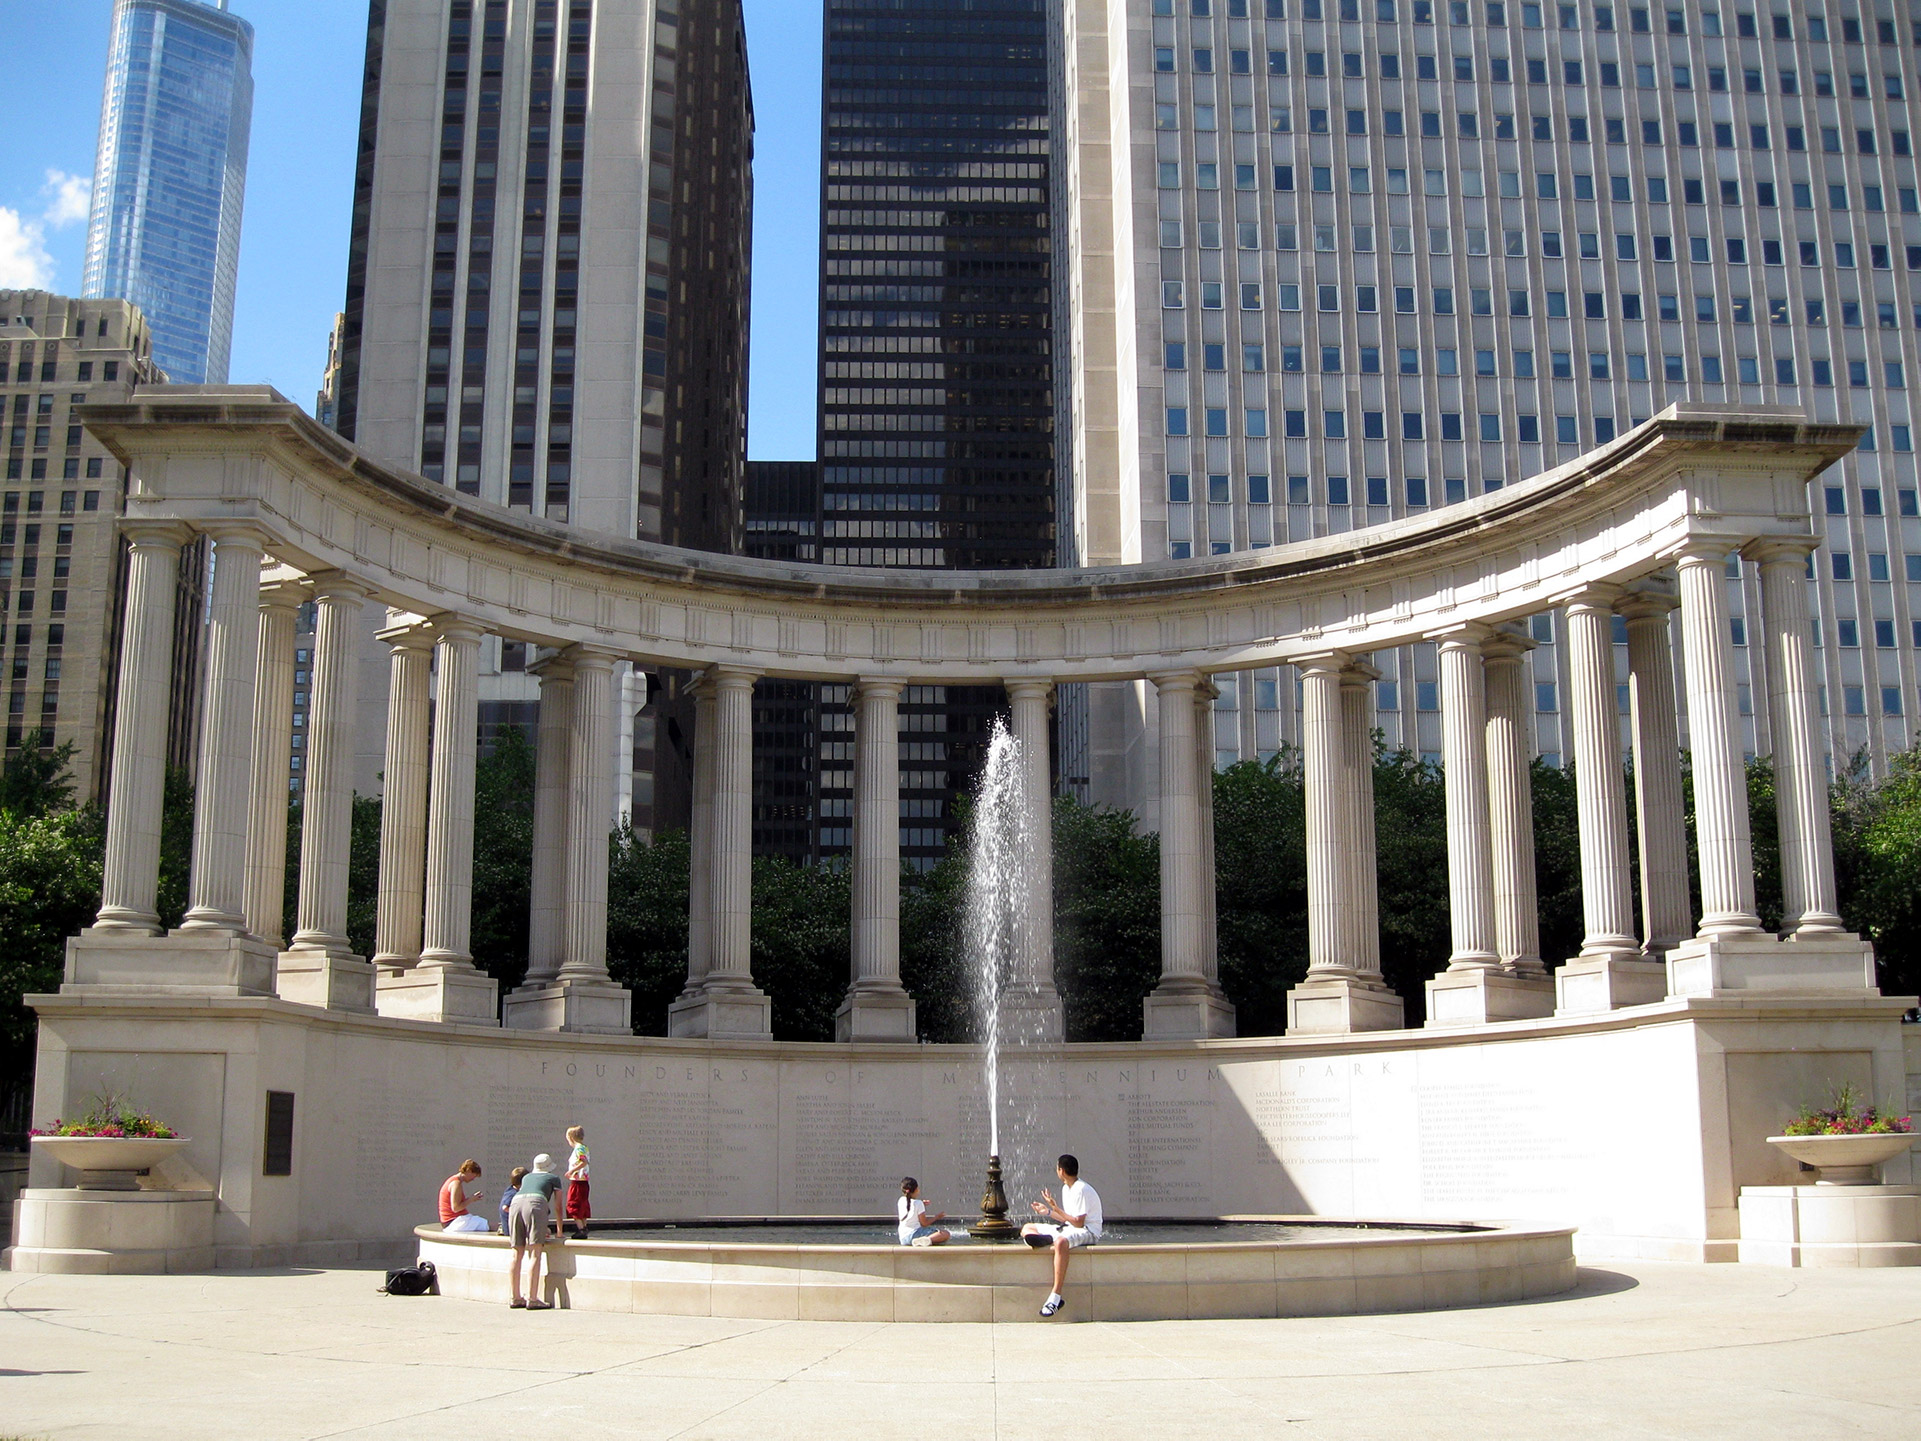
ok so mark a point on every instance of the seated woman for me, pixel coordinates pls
(916, 1226)
(455, 1198)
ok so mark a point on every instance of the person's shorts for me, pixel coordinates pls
(468, 1222)
(1077, 1236)
(527, 1221)
(917, 1233)
(578, 1207)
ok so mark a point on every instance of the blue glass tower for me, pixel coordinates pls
(170, 176)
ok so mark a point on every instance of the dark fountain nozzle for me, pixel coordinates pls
(993, 1224)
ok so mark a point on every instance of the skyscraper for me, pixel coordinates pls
(170, 176)
(1334, 262)
(937, 349)
(547, 276)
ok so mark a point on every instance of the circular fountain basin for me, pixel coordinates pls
(826, 1270)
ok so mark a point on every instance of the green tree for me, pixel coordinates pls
(933, 962)
(1260, 868)
(49, 889)
(1886, 903)
(801, 944)
(504, 857)
(1410, 828)
(37, 778)
(1107, 920)
(647, 922)
(1557, 861)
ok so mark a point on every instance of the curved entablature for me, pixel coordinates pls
(225, 457)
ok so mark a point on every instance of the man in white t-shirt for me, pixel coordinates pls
(1075, 1220)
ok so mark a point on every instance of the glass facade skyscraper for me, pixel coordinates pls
(937, 416)
(170, 177)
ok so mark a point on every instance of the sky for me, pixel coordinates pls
(293, 247)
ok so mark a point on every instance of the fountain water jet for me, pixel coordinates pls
(996, 921)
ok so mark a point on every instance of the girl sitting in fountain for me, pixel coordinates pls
(917, 1228)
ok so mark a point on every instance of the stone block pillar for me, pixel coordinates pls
(876, 1006)
(319, 968)
(728, 1004)
(1188, 1002)
(403, 806)
(1343, 991)
(280, 604)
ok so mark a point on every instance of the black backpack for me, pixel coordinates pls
(419, 1279)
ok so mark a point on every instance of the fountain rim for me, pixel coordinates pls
(1444, 1232)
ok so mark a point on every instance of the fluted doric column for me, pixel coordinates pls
(1205, 695)
(327, 799)
(450, 805)
(318, 968)
(1331, 921)
(1470, 859)
(218, 884)
(547, 926)
(1510, 753)
(700, 838)
(266, 906)
(400, 912)
(1811, 906)
(1030, 1005)
(1667, 908)
(590, 776)
(1362, 863)
(1607, 897)
(1188, 1000)
(876, 1007)
(1720, 778)
(130, 879)
(725, 1002)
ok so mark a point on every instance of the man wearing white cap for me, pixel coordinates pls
(528, 1222)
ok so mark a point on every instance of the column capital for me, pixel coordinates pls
(1468, 635)
(1026, 687)
(1358, 675)
(1508, 644)
(1648, 599)
(592, 657)
(730, 677)
(1322, 662)
(282, 592)
(885, 687)
(338, 585)
(407, 632)
(1705, 550)
(235, 532)
(156, 534)
(1602, 598)
(552, 665)
(1166, 681)
(457, 629)
(1782, 549)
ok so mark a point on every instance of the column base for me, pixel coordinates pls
(1478, 997)
(732, 1010)
(325, 979)
(1583, 988)
(1831, 1225)
(196, 963)
(875, 1013)
(1340, 1005)
(1033, 1016)
(593, 1008)
(112, 1233)
(438, 993)
(1186, 1008)
(1742, 965)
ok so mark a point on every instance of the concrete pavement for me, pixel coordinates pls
(1639, 1350)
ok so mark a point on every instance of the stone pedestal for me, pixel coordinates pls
(200, 963)
(1031, 1015)
(1476, 997)
(1607, 983)
(321, 978)
(594, 1008)
(1742, 965)
(1338, 1005)
(721, 1011)
(1186, 1008)
(875, 1013)
(103, 1233)
(1831, 1225)
(439, 993)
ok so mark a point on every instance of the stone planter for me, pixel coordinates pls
(109, 1163)
(1845, 1160)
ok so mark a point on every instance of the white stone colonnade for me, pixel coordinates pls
(1637, 530)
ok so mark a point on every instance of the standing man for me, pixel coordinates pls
(529, 1221)
(1073, 1221)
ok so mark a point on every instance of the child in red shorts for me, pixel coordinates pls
(578, 1209)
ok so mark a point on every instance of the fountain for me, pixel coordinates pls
(999, 861)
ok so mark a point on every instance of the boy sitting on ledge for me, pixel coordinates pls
(1075, 1221)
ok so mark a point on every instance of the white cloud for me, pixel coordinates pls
(71, 196)
(24, 262)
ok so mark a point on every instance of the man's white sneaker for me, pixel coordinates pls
(1052, 1304)
(922, 1241)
